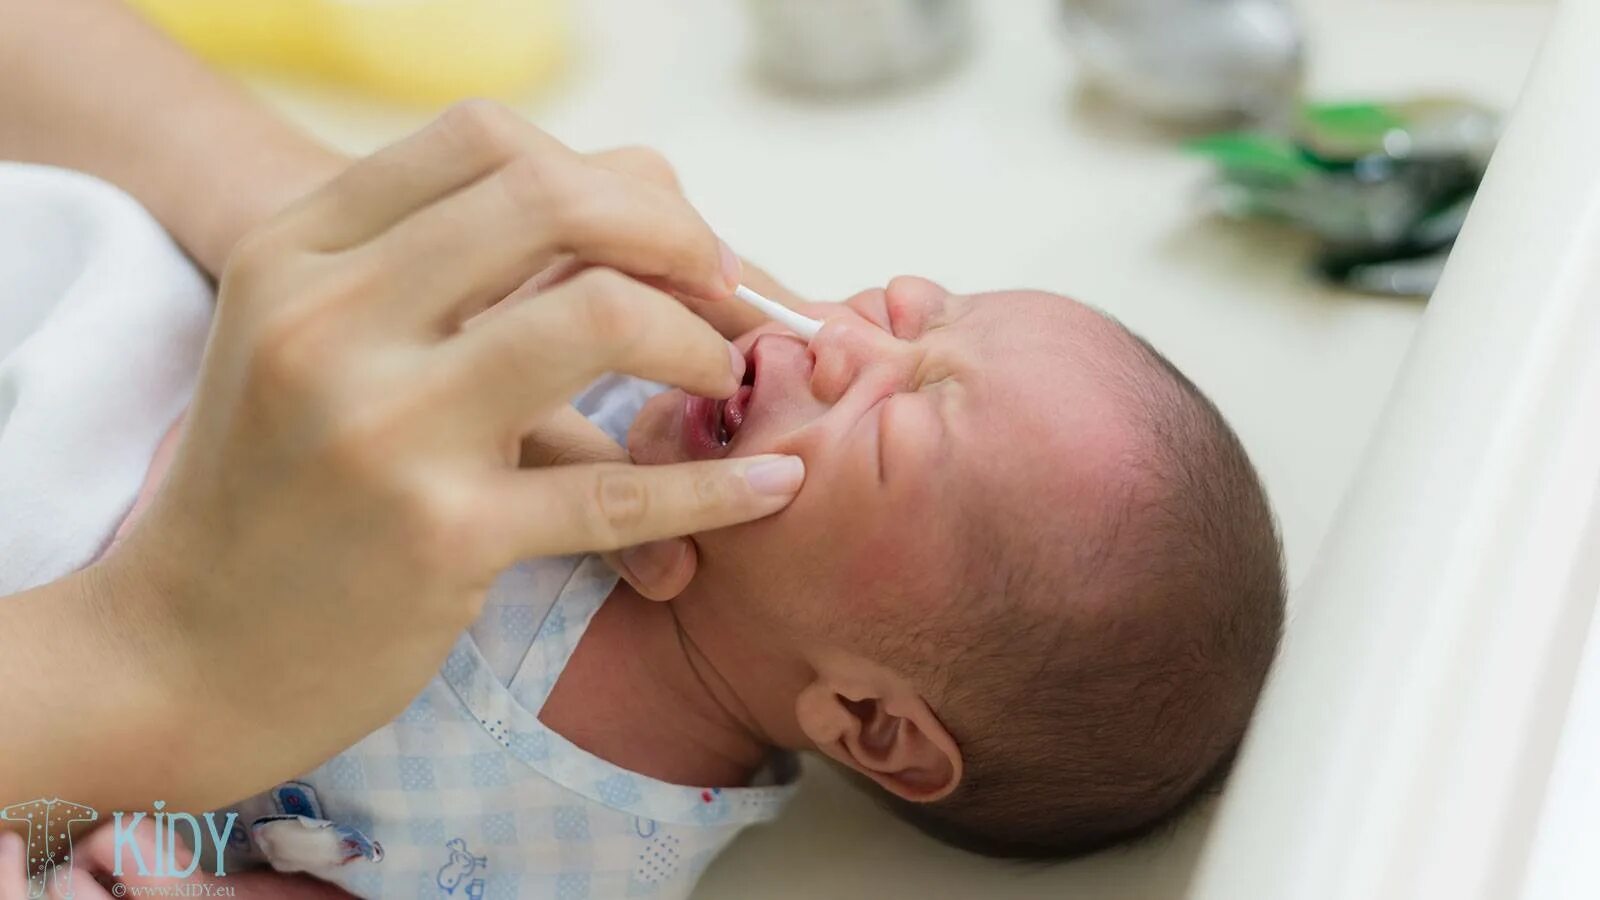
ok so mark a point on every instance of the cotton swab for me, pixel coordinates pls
(777, 312)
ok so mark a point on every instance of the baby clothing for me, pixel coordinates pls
(466, 794)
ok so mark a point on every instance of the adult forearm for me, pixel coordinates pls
(88, 85)
(95, 701)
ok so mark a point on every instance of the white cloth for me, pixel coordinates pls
(102, 322)
(466, 794)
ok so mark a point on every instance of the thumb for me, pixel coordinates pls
(567, 438)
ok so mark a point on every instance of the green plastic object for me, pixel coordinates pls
(1385, 186)
(1254, 154)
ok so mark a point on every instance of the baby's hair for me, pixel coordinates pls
(1105, 687)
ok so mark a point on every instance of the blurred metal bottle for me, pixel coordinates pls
(840, 46)
(1191, 60)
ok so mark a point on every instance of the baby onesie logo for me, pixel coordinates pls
(461, 867)
(49, 840)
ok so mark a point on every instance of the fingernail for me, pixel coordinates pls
(732, 269)
(650, 563)
(736, 363)
(779, 475)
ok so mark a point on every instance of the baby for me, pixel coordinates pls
(1030, 589)
(1032, 586)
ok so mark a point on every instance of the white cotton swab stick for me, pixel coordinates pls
(777, 312)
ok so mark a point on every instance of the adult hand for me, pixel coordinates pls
(348, 484)
(659, 570)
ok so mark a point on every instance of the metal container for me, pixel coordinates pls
(842, 46)
(1191, 60)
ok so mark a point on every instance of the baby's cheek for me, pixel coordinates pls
(876, 562)
(903, 563)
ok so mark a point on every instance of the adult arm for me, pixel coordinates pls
(89, 85)
(348, 483)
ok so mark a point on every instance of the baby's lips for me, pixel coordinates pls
(699, 425)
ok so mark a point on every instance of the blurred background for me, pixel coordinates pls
(1154, 162)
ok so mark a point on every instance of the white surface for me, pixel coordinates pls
(1000, 175)
(1405, 745)
(1562, 864)
(102, 323)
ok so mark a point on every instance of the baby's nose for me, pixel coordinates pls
(842, 350)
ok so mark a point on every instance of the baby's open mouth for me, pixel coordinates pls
(711, 425)
(731, 412)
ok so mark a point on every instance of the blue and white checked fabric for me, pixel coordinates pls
(467, 794)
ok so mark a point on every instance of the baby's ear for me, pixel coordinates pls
(884, 729)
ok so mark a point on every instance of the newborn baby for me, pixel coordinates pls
(1032, 585)
(1030, 589)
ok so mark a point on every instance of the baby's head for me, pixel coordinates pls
(1031, 587)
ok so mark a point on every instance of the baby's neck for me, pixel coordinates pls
(639, 694)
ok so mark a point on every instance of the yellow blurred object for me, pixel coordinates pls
(417, 51)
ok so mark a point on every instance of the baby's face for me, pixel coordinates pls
(928, 422)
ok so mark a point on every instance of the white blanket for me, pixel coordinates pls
(102, 324)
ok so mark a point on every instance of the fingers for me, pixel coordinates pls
(449, 220)
(607, 506)
(96, 862)
(475, 246)
(467, 142)
(659, 570)
(81, 887)
(567, 438)
(13, 873)
(734, 319)
(639, 162)
(522, 363)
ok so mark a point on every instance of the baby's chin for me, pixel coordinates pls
(654, 437)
